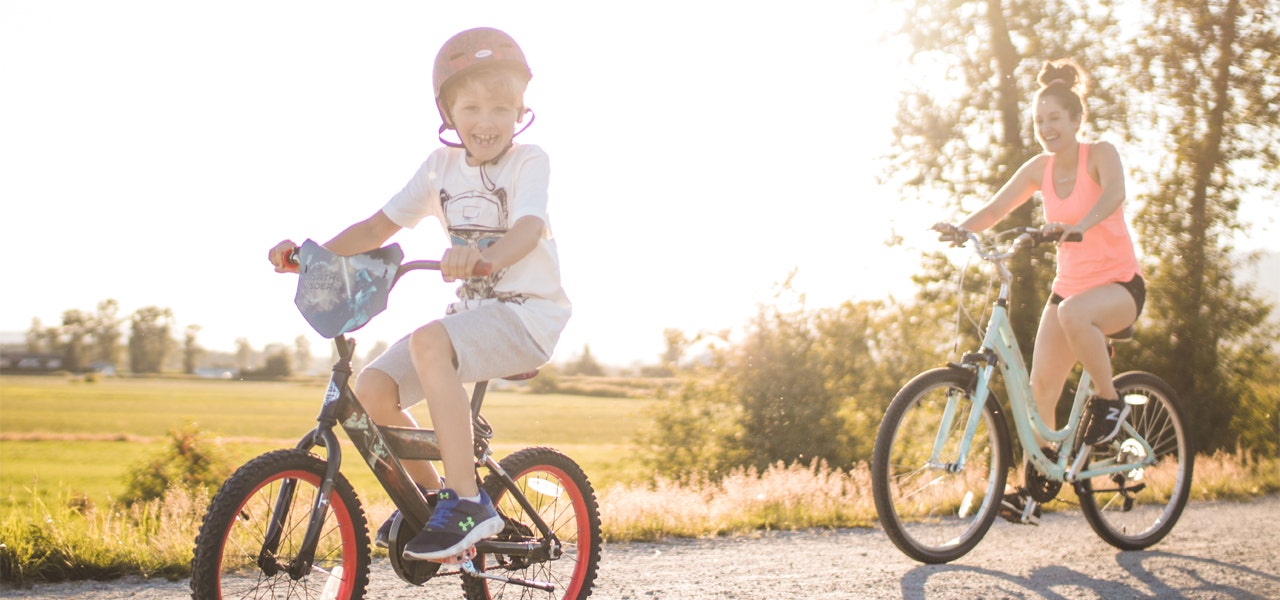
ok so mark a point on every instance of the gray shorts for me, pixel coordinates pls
(489, 342)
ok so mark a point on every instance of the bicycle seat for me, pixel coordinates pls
(522, 376)
(1123, 335)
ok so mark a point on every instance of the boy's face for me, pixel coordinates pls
(485, 121)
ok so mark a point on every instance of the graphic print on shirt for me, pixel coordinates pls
(478, 218)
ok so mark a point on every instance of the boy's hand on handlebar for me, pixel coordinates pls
(282, 257)
(950, 233)
(463, 262)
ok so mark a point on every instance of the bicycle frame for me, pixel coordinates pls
(383, 448)
(1000, 348)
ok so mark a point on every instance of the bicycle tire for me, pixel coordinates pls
(232, 533)
(559, 490)
(1136, 520)
(926, 510)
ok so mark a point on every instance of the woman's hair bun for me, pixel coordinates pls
(1063, 71)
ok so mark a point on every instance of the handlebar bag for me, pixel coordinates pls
(340, 294)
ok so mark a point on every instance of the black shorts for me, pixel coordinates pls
(1137, 288)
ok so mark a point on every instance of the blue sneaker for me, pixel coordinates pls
(455, 526)
(382, 539)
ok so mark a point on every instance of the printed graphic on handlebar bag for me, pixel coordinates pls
(340, 294)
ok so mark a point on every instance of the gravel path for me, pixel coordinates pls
(1217, 550)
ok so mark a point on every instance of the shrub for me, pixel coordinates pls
(189, 462)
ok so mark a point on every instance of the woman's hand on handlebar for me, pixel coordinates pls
(281, 257)
(950, 233)
(1061, 232)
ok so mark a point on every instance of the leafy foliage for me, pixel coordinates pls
(1206, 77)
(190, 462)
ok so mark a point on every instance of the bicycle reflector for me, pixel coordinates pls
(340, 294)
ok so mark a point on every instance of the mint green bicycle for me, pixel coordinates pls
(943, 451)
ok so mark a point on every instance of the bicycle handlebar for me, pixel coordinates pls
(482, 269)
(1028, 237)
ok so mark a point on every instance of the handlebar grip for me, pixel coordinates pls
(1074, 236)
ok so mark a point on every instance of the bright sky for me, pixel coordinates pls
(152, 152)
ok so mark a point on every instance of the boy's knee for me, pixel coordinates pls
(431, 344)
(378, 393)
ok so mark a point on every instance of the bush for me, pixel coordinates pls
(189, 462)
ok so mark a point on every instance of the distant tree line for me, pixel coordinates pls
(86, 339)
(1194, 90)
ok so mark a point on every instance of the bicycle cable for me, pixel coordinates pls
(961, 309)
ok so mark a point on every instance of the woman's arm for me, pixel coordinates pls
(1110, 175)
(1024, 183)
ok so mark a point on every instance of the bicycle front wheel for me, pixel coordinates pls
(561, 495)
(1134, 509)
(233, 557)
(933, 502)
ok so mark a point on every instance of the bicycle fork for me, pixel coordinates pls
(301, 565)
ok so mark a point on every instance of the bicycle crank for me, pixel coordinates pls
(470, 569)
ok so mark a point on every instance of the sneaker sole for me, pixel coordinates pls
(485, 529)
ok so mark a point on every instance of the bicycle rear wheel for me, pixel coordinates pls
(935, 512)
(562, 496)
(228, 561)
(1135, 509)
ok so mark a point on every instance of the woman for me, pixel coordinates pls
(1098, 289)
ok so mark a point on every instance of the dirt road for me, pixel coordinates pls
(1217, 550)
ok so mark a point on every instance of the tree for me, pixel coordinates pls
(677, 345)
(76, 329)
(302, 353)
(1207, 78)
(244, 354)
(149, 339)
(104, 326)
(963, 126)
(191, 350)
(41, 339)
(586, 364)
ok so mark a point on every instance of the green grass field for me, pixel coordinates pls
(61, 436)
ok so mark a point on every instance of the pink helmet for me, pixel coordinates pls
(474, 48)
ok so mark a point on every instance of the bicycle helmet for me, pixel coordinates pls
(475, 48)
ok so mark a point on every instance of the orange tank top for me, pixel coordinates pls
(1106, 254)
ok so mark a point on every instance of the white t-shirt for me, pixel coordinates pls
(476, 208)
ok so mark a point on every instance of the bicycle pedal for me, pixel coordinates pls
(459, 559)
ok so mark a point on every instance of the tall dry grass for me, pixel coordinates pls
(780, 497)
(77, 540)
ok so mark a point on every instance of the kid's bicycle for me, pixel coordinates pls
(943, 451)
(288, 524)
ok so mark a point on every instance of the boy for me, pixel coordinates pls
(491, 196)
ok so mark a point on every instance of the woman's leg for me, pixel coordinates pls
(1051, 362)
(1085, 319)
(380, 396)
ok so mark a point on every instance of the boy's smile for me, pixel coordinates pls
(485, 123)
